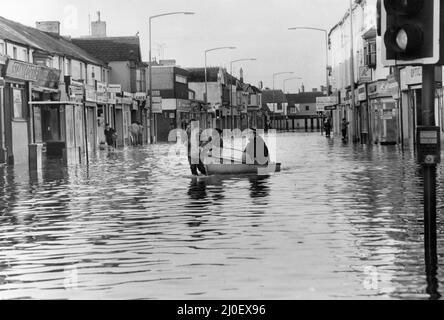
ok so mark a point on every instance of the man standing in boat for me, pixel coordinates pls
(194, 145)
(256, 151)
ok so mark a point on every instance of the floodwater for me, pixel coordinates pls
(339, 222)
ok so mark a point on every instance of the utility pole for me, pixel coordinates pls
(352, 71)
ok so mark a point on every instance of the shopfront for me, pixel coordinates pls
(24, 85)
(123, 119)
(383, 115)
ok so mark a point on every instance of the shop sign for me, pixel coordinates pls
(322, 102)
(135, 105)
(90, 94)
(157, 108)
(75, 91)
(393, 86)
(365, 74)
(127, 94)
(410, 76)
(114, 88)
(102, 97)
(101, 87)
(23, 71)
(45, 77)
(362, 93)
(141, 96)
(183, 106)
(379, 89)
(112, 98)
(126, 100)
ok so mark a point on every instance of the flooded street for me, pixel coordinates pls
(340, 221)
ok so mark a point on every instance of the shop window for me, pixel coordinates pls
(370, 54)
(18, 105)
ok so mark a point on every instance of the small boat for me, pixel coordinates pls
(241, 168)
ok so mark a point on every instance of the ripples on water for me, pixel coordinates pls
(135, 225)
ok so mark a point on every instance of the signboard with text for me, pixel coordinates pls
(322, 102)
(365, 74)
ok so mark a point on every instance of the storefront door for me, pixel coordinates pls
(50, 124)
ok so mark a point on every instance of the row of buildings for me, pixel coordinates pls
(387, 100)
(57, 94)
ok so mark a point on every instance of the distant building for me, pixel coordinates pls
(171, 97)
(302, 111)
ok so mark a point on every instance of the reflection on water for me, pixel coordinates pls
(339, 221)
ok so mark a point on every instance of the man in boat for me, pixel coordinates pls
(256, 151)
(194, 158)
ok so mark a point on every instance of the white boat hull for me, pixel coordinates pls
(239, 169)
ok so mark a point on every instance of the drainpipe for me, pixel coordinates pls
(2, 128)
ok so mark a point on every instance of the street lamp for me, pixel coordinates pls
(231, 87)
(150, 67)
(286, 80)
(326, 58)
(274, 77)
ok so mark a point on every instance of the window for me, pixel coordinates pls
(14, 52)
(81, 70)
(2, 47)
(279, 106)
(181, 79)
(18, 106)
(307, 108)
(370, 53)
(93, 75)
(25, 55)
(67, 67)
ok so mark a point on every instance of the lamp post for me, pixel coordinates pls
(274, 77)
(326, 60)
(150, 68)
(231, 88)
(286, 80)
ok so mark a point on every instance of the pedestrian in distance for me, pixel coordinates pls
(327, 127)
(110, 136)
(134, 133)
(344, 128)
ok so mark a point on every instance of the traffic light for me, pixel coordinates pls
(411, 31)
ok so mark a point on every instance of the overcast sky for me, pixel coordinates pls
(258, 28)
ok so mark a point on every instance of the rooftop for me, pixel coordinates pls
(46, 42)
(110, 49)
(303, 97)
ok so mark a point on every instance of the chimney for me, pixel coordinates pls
(303, 88)
(261, 85)
(241, 75)
(98, 28)
(49, 26)
(314, 90)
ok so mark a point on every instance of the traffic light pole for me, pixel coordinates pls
(427, 118)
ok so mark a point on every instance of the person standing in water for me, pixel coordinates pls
(256, 151)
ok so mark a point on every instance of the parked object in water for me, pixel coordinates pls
(241, 168)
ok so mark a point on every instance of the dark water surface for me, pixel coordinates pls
(340, 221)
